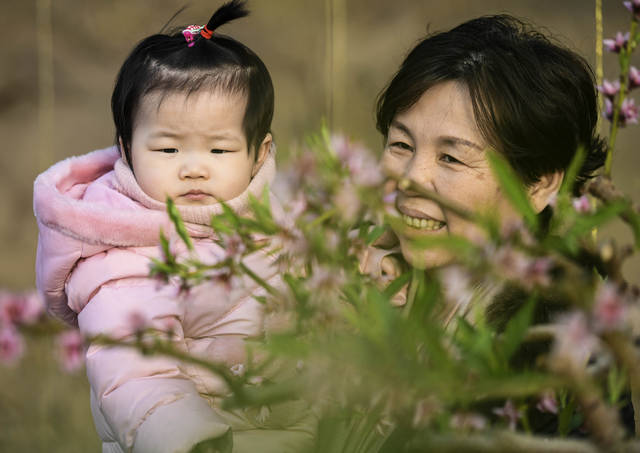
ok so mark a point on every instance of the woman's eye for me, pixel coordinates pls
(219, 151)
(449, 159)
(401, 145)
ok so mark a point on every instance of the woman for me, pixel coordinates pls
(490, 83)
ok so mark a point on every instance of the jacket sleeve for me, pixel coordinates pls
(149, 403)
(56, 255)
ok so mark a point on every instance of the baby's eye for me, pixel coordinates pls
(219, 151)
(449, 159)
(167, 150)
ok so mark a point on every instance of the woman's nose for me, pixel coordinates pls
(420, 169)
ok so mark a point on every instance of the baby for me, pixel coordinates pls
(192, 112)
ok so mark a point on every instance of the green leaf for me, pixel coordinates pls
(375, 233)
(516, 329)
(396, 285)
(616, 383)
(569, 179)
(585, 223)
(174, 215)
(166, 251)
(513, 188)
(222, 444)
(565, 417)
(633, 218)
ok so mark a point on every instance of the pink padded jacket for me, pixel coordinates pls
(98, 233)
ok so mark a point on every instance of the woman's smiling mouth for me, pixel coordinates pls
(420, 220)
(422, 224)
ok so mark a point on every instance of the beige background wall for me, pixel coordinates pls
(91, 38)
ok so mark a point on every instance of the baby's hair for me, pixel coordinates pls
(166, 64)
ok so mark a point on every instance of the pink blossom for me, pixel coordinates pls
(237, 369)
(510, 413)
(24, 308)
(225, 278)
(170, 326)
(574, 343)
(234, 246)
(137, 321)
(634, 77)
(618, 43)
(11, 345)
(298, 206)
(512, 263)
(304, 169)
(538, 271)
(325, 279)
(609, 89)
(425, 410)
(290, 242)
(634, 7)
(582, 204)
(347, 202)
(457, 286)
(548, 403)
(390, 198)
(609, 309)
(468, 421)
(628, 112)
(363, 168)
(515, 265)
(71, 350)
(608, 109)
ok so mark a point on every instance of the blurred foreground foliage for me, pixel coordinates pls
(525, 343)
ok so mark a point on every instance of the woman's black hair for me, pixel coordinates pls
(165, 63)
(534, 101)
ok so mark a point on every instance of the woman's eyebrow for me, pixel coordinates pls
(452, 140)
(400, 126)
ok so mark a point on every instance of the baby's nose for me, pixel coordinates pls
(193, 169)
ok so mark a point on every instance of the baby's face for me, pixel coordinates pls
(193, 148)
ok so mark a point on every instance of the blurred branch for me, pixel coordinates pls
(503, 441)
(335, 61)
(598, 51)
(46, 89)
(456, 208)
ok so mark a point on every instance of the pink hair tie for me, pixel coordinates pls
(191, 32)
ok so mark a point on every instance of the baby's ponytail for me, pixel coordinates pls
(235, 9)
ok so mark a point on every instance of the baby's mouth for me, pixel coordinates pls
(422, 224)
(196, 195)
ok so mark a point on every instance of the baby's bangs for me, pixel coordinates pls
(228, 79)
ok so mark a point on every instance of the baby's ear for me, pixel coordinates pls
(122, 153)
(262, 153)
(545, 189)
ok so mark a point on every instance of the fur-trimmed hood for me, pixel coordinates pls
(88, 204)
(94, 198)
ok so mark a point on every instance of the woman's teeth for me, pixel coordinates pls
(422, 224)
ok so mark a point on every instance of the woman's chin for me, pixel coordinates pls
(421, 258)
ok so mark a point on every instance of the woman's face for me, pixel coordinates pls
(437, 144)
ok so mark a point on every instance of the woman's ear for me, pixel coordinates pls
(545, 189)
(262, 153)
